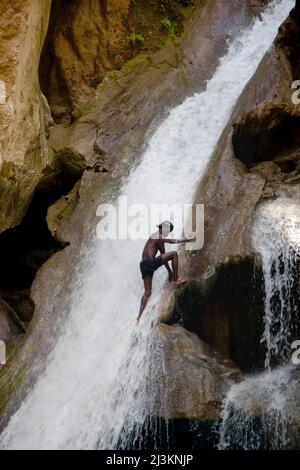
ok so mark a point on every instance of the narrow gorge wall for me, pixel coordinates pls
(24, 113)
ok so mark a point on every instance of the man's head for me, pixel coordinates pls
(165, 228)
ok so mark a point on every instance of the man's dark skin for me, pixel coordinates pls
(154, 244)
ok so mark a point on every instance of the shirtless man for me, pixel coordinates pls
(150, 262)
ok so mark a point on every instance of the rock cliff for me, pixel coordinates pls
(24, 112)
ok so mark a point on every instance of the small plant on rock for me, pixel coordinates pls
(135, 38)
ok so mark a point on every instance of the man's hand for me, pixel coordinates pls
(170, 276)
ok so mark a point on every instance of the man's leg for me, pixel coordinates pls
(147, 294)
(173, 257)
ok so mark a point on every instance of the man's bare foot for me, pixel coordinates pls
(179, 282)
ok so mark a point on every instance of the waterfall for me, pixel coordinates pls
(277, 238)
(95, 386)
(256, 412)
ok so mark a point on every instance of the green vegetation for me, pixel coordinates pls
(171, 27)
(135, 37)
(151, 25)
(174, 11)
(7, 169)
(112, 52)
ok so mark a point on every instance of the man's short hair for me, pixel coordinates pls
(166, 224)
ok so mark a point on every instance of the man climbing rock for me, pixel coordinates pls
(150, 262)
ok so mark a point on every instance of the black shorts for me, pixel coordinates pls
(149, 265)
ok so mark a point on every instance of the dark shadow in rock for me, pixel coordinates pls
(226, 310)
(23, 249)
(288, 40)
(268, 138)
(47, 62)
(286, 165)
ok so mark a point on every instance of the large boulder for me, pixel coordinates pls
(194, 377)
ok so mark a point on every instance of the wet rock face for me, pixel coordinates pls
(258, 5)
(188, 363)
(21, 303)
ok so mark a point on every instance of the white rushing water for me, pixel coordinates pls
(256, 412)
(94, 380)
(277, 238)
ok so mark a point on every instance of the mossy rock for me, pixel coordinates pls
(62, 210)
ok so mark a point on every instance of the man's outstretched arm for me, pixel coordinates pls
(175, 241)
